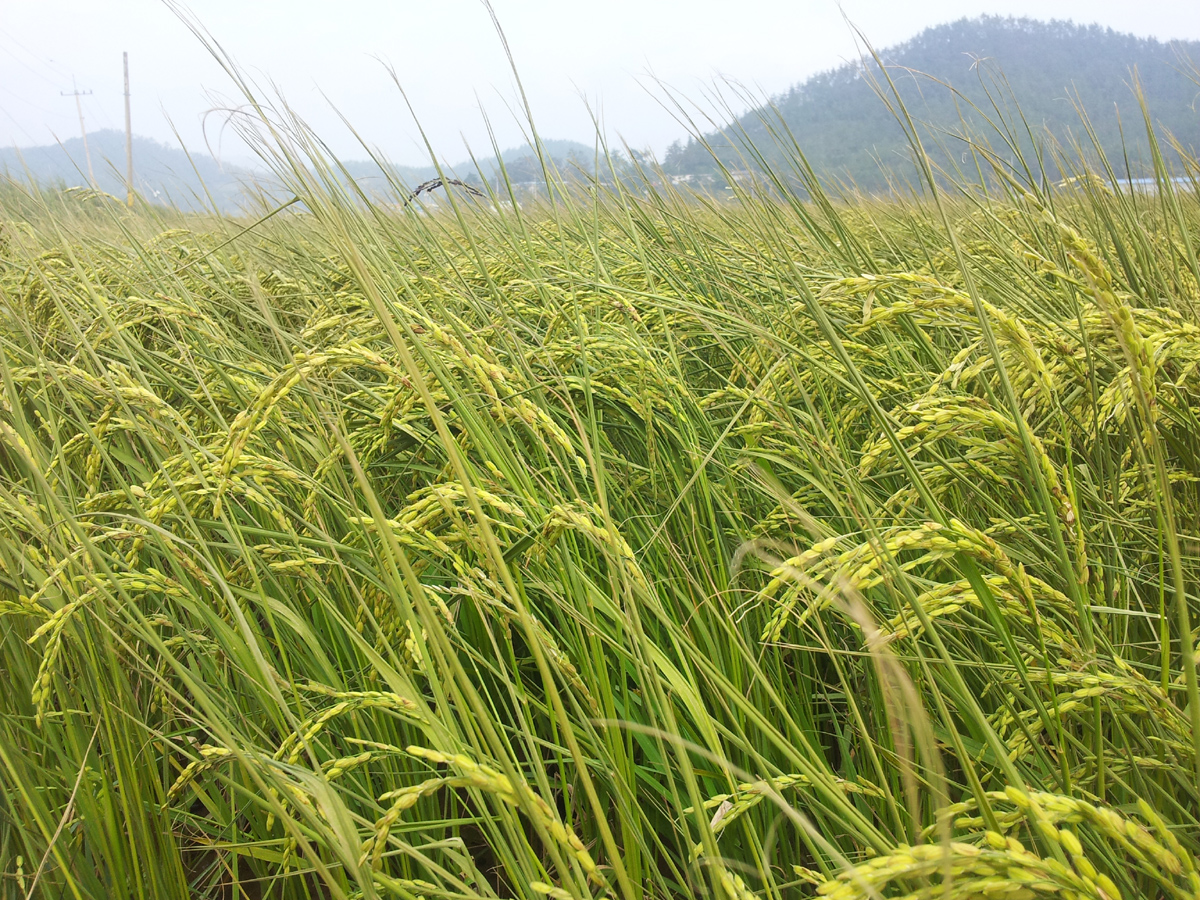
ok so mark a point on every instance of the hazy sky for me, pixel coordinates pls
(448, 58)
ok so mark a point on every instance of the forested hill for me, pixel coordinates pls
(846, 131)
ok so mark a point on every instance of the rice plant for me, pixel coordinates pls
(631, 543)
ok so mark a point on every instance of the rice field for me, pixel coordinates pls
(629, 544)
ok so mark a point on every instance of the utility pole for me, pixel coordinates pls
(76, 93)
(128, 140)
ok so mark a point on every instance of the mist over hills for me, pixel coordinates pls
(194, 181)
(847, 132)
(521, 164)
(162, 174)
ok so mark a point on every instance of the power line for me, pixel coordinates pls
(47, 64)
(99, 113)
(20, 98)
(19, 126)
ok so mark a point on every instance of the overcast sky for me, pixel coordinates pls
(448, 58)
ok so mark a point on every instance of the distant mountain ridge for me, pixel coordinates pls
(193, 181)
(521, 164)
(846, 131)
(162, 174)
